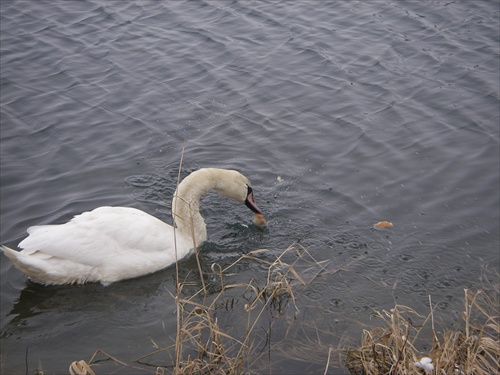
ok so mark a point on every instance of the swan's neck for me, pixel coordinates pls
(186, 204)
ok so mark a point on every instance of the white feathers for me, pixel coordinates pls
(425, 364)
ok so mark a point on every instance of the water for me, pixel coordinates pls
(341, 114)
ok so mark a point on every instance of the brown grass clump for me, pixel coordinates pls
(474, 350)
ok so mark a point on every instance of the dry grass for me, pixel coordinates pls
(472, 350)
(205, 346)
(202, 345)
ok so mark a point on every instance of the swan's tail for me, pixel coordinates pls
(25, 263)
(12, 254)
(20, 260)
(39, 268)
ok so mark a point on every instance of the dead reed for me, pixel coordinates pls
(203, 346)
(472, 350)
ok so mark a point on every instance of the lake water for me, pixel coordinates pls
(340, 113)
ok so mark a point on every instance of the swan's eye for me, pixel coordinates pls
(249, 190)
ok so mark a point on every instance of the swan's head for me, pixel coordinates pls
(233, 184)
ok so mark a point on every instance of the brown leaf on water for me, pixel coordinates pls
(383, 224)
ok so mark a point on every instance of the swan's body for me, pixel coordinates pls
(110, 244)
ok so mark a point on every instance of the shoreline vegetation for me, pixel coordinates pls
(473, 349)
(204, 345)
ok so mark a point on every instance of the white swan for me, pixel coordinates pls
(110, 244)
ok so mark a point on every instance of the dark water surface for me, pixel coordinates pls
(341, 114)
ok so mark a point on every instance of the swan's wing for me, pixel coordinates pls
(96, 237)
(129, 227)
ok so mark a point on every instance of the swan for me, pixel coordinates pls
(110, 244)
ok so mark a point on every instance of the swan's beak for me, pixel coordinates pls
(259, 219)
(250, 203)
